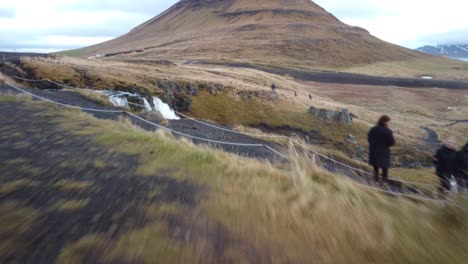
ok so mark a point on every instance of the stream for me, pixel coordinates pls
(148, 103)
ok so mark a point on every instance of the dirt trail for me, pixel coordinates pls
(184, 125)
(195, 129)
(432, 139)
(78, 188)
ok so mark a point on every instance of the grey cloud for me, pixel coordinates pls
(450, 37)
(7, 12)
(149, 7)
(27, 40)
(353, 9)
(112, 27)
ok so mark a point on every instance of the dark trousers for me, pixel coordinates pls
(444, 182)
(384, 173)
(462, 183)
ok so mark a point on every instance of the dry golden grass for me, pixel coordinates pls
(16, 221)
(295, 214)
(93, 96)
(70, 205)
(437, 67)
(410, 108)
(68, 185)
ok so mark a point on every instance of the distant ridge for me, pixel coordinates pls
(292, 33)
(453, 51)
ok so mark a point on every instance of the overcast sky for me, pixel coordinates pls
(52, 25)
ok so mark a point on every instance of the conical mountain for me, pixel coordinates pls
(293, 33)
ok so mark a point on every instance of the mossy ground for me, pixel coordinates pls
(229, 110)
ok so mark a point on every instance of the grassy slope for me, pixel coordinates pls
(322, 218)
(228, 108)
(437, 67)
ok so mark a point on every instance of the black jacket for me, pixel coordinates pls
(380, 140)
(462, 162)
(446, 164)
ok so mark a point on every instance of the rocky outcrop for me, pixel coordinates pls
(343, 116)
(266, 95)
(179, 94)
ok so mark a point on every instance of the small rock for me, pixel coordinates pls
(212, 90)
(96, 218)
(351, 139)
(245, 97)
(219, 87)
(193, 90)
(361, 153)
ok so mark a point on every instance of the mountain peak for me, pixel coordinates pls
(294, 33)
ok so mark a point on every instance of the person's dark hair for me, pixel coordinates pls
(384, 120)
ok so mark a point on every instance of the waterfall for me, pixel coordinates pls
(147, 105)
(164, 109)
(119, 100)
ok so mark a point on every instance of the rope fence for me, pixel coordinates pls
(367, 173)
(148, 122)
(296, 142)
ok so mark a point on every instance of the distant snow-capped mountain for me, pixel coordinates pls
(454, 51)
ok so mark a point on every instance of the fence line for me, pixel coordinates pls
(257, 135)
(396, 194)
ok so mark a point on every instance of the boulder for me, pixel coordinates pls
(153, 116)
(343, 116)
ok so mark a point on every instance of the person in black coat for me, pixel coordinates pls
(445, 161)
(462, 167)
(380, 140)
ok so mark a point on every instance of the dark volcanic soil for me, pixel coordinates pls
(347, 78)
(35, 151)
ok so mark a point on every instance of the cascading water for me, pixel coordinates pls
(164, 109)
(120, 99)
(147, 105)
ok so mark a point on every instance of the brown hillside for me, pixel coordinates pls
(295, 33)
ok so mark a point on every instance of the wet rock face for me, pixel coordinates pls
(179, 94)
(183, 103)
(343, 116)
